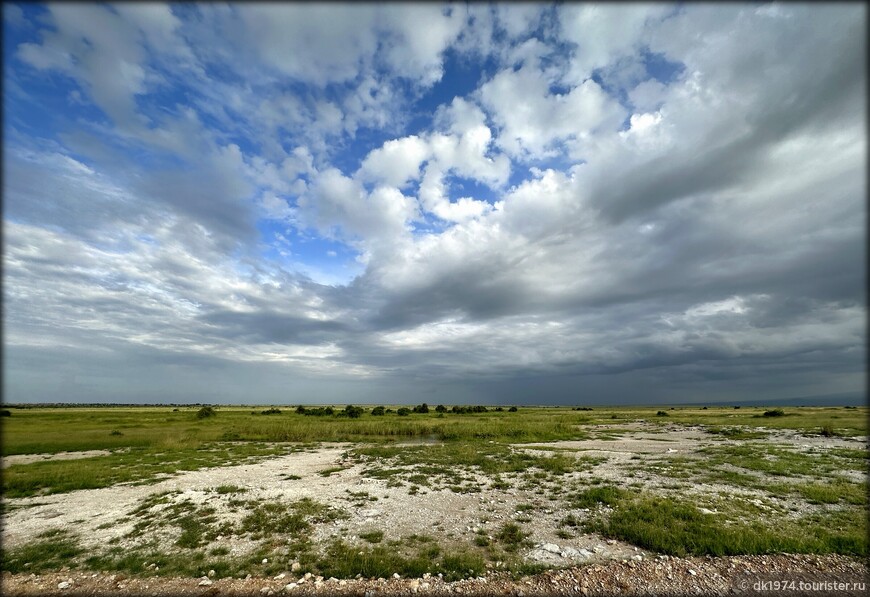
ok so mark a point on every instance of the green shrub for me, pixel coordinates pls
(776, 412)
(403, 412)
(378, 411)
(205, 412)
(662, 413)
(353, 412)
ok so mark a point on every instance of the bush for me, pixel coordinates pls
(378, 411)
(315, 412)
(512, 409)
(5, 413)
(440, 409)
(352, 411)
(662, 413)
(271, 411)
(827, 431)
(422, 408)
(205, 412)
(403, 412)
(776, 412)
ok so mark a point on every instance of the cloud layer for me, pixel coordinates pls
(519, 203)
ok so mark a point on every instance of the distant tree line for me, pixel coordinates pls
(354, 412)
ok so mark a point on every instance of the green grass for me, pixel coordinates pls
(50, 551)
(51, 430)
(292, 519)
(592, 497)
(372, 536)
(679, 528)
(140, 465)
(345, 561)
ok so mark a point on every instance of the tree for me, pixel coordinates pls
(378, 411)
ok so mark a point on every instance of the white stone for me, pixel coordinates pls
(265, 560)
(204, 582)
(692, 572)
(290, 586)
(63, 585)
(551, 547)
(211, 573)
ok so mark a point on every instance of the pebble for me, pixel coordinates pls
(204, 582)
(63, 585)
(265, 560)
(692, 572)
(290, 586)
(211, 573)
(295, 567)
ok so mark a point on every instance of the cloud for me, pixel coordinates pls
(530, 202)
(532, 120)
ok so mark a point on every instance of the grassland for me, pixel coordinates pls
(768, 492)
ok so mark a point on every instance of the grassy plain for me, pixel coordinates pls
(798, 500)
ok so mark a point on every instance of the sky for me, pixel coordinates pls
(441, 203)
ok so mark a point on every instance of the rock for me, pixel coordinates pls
(265, 591)
(295, 567)
(211, 573)
(63, 585)
(569, 552)
(342, 582)
(551, 547)
(289, 586)
(706, 511)
(637, 558)
(395, 575)
(307, 575)
(692, 572)
(265, 561)
(280, 576)
(205, 582)
(586, 553)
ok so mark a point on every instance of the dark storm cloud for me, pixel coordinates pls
(827, 90)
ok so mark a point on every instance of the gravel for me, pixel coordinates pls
(736, 575)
